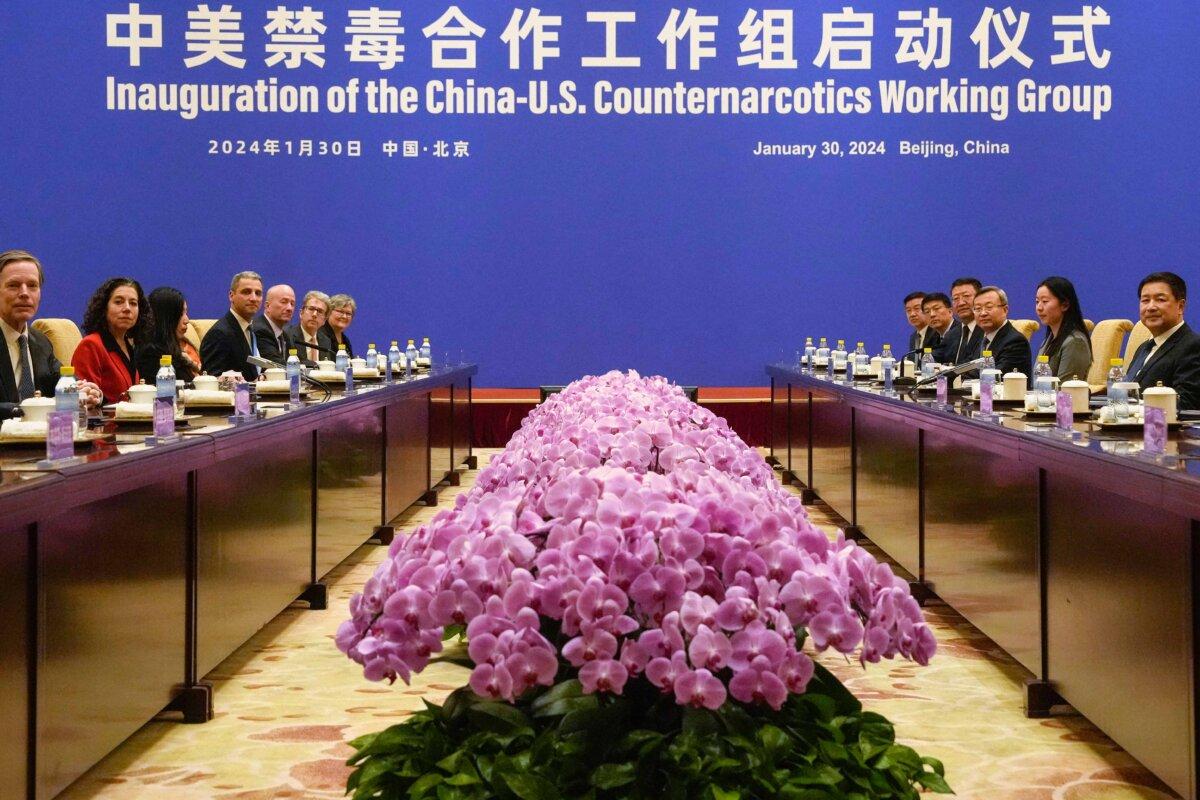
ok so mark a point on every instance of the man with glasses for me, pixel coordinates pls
(1009, 347)
(308, 335)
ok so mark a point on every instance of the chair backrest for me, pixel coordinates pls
(199, 327)
(193, 334)
(1091, 326)
(1106, 345)
(63, 334)
(1139, 334)
(1027, 327)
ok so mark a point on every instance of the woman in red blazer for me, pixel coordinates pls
(116, 318)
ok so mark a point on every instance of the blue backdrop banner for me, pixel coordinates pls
(574, 186)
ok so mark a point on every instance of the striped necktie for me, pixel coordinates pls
(25, 384)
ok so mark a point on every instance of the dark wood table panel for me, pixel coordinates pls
(832, 454)
(254, 542)
(407, 455)
(981, 541)
(887, 481)
(349, 484)
(441, 434)
(799, 441)
(15, 571)
(779, 423)
(1119, 619)
(111, 610)
(461, 424)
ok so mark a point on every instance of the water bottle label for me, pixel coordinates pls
(60, 435)
(164, 417)
(294, 386)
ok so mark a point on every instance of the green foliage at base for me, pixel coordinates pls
(561, 743)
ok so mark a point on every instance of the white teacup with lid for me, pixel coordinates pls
(206, 383)
(1080, 394)
(37, 408)
(142, 393)
(1015, 385)
(327, 366)
(275, 374)
(1163, 397)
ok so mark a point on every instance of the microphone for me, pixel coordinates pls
(953, 372)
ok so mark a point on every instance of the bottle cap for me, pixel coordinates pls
(395, 342)
(425, 340)
(808, 340)
(1116, 362)
(164, 361)
(67, 371)
(928, 349)
(822, 340)
(410, 341)
(371, 346)
(887, 347)
(860, 344)
(987, 353)
(292, 351)
(341, 347)
(1041, 359)
(841, 342)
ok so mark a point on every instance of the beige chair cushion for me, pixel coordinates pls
(1106, 345)
(1139, 334)
(63, 334)
(1091, 326)
(1027, 327)
(196, 330)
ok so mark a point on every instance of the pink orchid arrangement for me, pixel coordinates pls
(624, 532)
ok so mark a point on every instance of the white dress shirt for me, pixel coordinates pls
(11, 336)
(1159, 341)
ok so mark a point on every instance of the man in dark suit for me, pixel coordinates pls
(961, 341)
(27, 362)
(920, 324)
(1172, 355)
(229, 341)
(274, 341)
(937, 310)
(314, 310)
(1009, 347)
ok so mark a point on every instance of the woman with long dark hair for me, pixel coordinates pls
(116, 319)
(168, 336)
(1066, 343)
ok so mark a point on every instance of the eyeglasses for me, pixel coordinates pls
(343, 312)
(314, 310)
(990, 307)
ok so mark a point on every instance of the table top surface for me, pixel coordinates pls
(1181, 458)
(20, 467)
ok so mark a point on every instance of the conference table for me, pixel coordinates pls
(1075, 553)
(128, 577)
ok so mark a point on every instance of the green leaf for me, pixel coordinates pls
(934, 783)
(938, 766)
(724, 794)
(499, 717)
(571, 688)
(700, 721)
(565, 705)
(773, 739)
(529, 786)
(422, 786)
(610, 776)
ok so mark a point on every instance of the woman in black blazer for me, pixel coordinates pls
(341, 314)
(167, 337)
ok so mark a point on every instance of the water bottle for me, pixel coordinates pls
(66, 395)
(987, 382)
(165, 380)
(393, 358)
(410, 359)
(810, 353)
(1116, 373)
(837, 358)
(1043, 384)
(427, 353)
(372, 357)
(822, 355)
(1118, 399)
(928, 365)
(342, 362)
(851, 363)
(887, 364)
(862, 361)
(293, 375)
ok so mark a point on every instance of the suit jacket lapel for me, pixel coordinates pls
(1168, 345)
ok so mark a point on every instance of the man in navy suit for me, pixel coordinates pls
(27, 362)
(1172, 356)
(920, 324)
(271, 328)
(960, 343)
(230, 341)
(1009, 347)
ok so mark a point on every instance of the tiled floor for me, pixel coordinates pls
(287, 702)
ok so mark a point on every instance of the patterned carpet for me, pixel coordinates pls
(287, 702)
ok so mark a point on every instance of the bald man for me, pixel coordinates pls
(271, 328)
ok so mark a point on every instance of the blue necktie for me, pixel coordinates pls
(25, 385)
(1139, 359)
